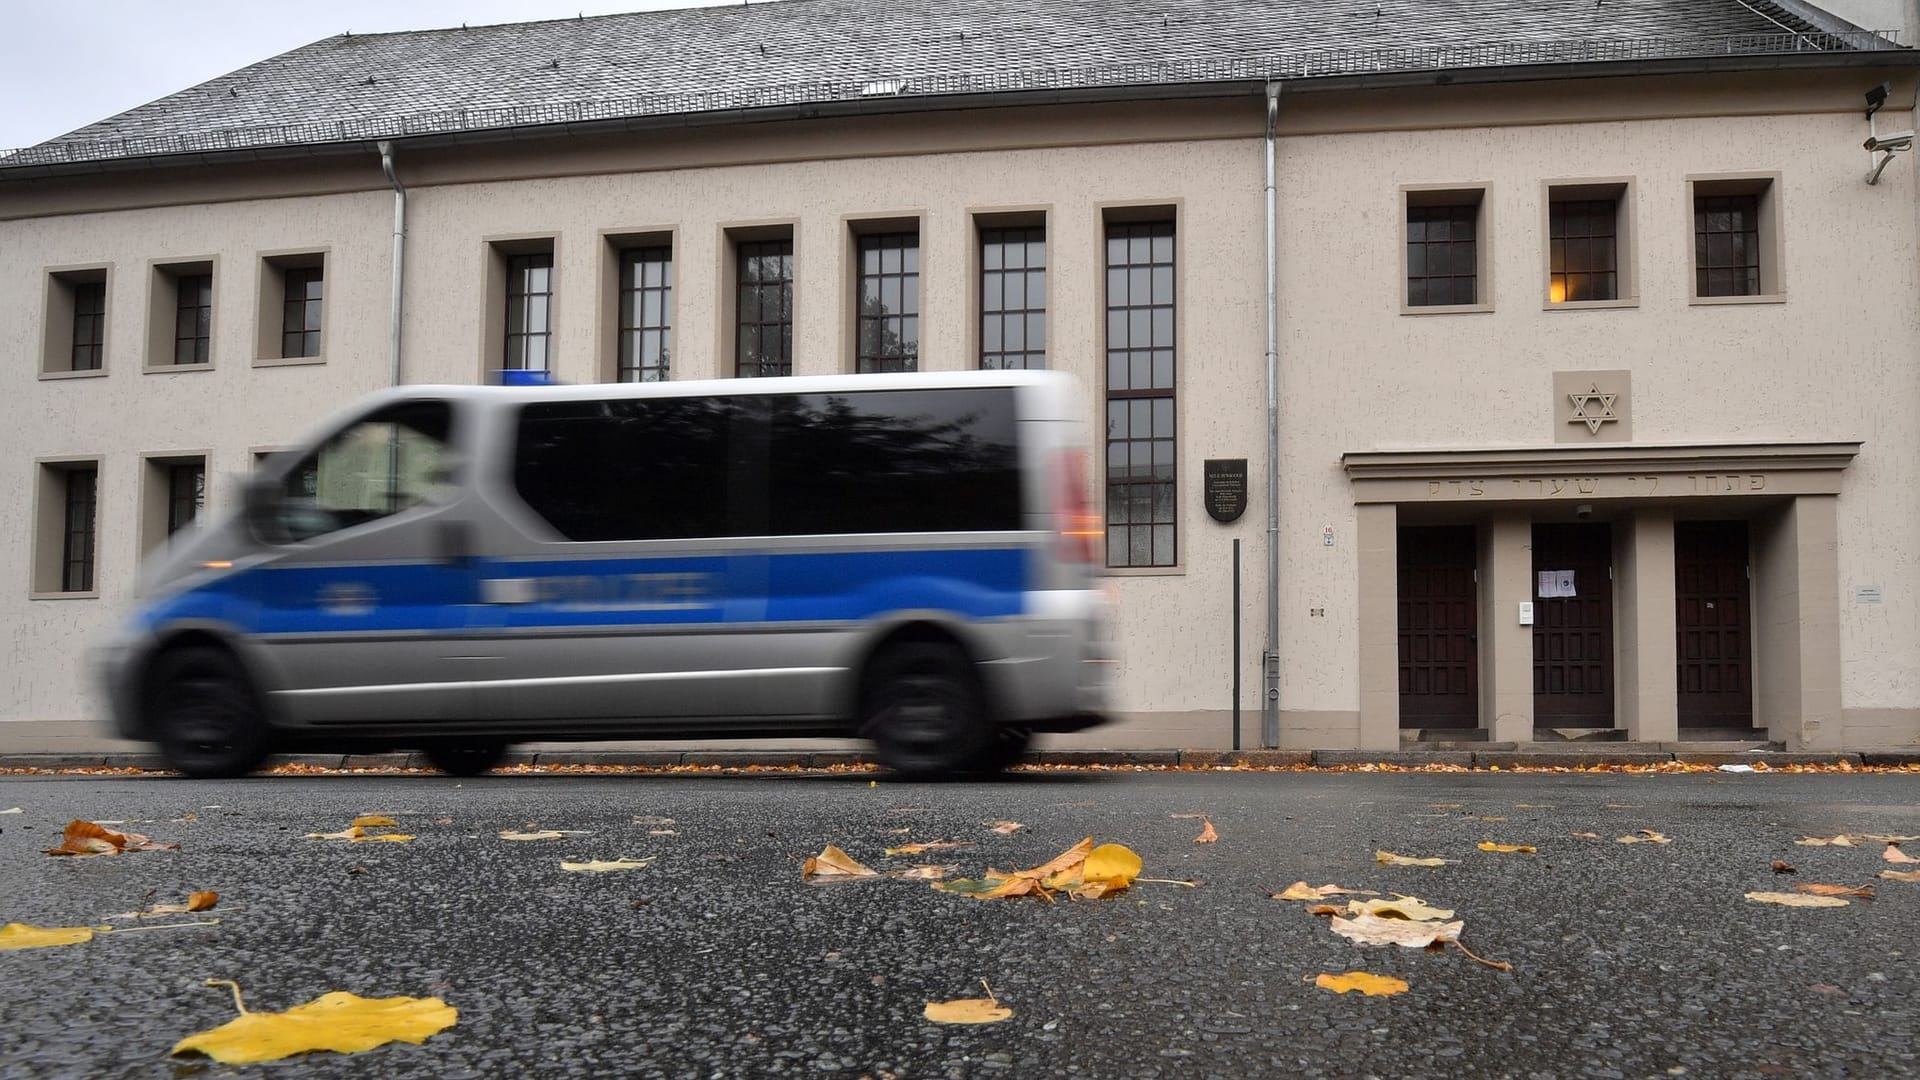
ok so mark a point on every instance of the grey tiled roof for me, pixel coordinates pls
(352, 88)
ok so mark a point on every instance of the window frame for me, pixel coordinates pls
(1169, 213)
(156, 494)
(59, 319)
(497, 253)
(1479, 195)
(271, 305)
(1768, 233)
(863, 232)
(51, 555)
(163, 314)
(985, 224)
(614, 246)
(737, 239)
(1619, 189)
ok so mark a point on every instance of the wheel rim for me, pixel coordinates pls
(205, 725)
(924, 718)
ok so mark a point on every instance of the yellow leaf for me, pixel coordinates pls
(1207, 835)
(1523, 849)
(21, 936)
(1646, 836)
(1818, 889)
(925, 873)
(1388, 858)
(1111, 863)
(1374, 930)
(1796, 899)
(602, 866)
(374, 821)
(967, 1011)
(1368, 984)
(354, 832)
(1893, 854)
(1900, 875)
(202, 901)
(834, 863)
(1401, 907)
(1842, 840)
(1005, 828)
(338, 1021)
(1300, 890)
(543, 834)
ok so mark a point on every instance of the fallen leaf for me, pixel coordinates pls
(1780, 867)
(967, 1011)
(1796, 899)
(1490, 819)
(1818, 889)
(1400, 907)
(1900, 875)
(925, 873)
(338, 1021)
(84, 838)
(21, 936)
(1444, 805)
(1646, 836)
(1326, 909)
(375, 821)
(1365, 982)
(359, 835)
(1004, 828)
(1083, 871)
(1893, 854)
(902, 829)
(601, 866)
(931, 845)
(1374, 930)
(543, 834)
(1388, 858)
(1883, 839)
(199, 901)
(649, 820)
(661, 832)
(1585, 835)
(203, 900)
(1207, 835)
(834, 863)
(1111, 863)
(1300, 890)
(1842, 840)
(1522, 849)
(12, 810)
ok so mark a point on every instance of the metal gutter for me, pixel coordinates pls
(1270, 657)
(399, 261)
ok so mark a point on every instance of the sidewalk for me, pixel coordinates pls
(59, 745)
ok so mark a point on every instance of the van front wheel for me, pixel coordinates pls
(205, 716)
(924, 711)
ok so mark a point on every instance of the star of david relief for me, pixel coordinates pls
(1592, 408)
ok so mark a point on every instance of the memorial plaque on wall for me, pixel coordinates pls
(1225, 488)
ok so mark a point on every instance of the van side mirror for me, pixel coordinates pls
(261, 502)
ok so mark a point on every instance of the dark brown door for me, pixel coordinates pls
(1714, 623)
(1573, 635)
(1439, 658)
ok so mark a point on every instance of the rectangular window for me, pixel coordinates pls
(89, 324)
(76, 553)
(186, 495)
(1584, 257)
(763, 338)
(646, 314)
(1726, 245)
(1140, 388)
(75, 331)
(529, 311)
(1443, 254)
(889, 299)
(300, 311)
(1013, 297)
(193, 319)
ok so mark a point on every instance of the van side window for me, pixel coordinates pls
(378, 466)
(637, 469)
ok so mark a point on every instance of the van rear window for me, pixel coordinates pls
(874, 461)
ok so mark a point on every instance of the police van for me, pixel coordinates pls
(904, 558)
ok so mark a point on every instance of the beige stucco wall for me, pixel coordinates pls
(1834, 361)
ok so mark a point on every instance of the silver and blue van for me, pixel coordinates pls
(905, 558)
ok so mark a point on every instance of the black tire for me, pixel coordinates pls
(466, 757)
(924, 710)
(205, 714)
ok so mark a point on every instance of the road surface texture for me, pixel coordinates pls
(716, 960)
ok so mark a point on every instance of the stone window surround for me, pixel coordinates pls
(56, 324)
(1788, 491)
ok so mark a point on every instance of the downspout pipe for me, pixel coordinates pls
(399, 260)
(1270, 658)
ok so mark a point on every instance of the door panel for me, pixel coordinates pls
(1439, 651)
(1573, 635)
(1713, 624)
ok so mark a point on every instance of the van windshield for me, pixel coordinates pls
(380, 465)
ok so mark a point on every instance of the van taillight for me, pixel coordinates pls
(1079, 528)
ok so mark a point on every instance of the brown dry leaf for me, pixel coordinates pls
(375, 821)
(1781, 867)
(967, 1011)
(1388, 858)
(1300, 890)
(1646, 836)
(834, 863)
(84, 838)
(929, 872)
(1326, 909)
(202, 900)
(1788, 899)
(1368, 929)
(338, 1021)
(542, 834)
(1585, 835)
(1365, 982)
(1083, 871)
(1893, 854)
(1819, 889)
(359, 835)
(1207, 835)
(931, 845)
(1411, 908)
(1843, 840)
(603, 866)
(1520, 849)
(1004, 828)
(1882, 839)
(199, 901)
(1900, 875)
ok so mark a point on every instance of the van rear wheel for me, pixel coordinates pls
(465, 758)
(205, 715)
(924, 710)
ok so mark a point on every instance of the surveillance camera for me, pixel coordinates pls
(1892, 140)
(1583, 511)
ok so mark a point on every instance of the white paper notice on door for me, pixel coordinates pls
(1556, 583)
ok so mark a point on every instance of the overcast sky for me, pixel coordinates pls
(66, 63)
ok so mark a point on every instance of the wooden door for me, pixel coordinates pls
(1714, 624)
(1573, 635)
(1439, 654)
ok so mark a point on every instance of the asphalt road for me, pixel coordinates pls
(1629, 960)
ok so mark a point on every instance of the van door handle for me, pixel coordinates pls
(453, 542)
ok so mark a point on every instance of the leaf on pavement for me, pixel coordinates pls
(834, 863)
(1893, 854)
(1843, 840)
(359, 835)
(1300, 890)
(1585, 835)
(542, 834)
(199, 901)
(1004, 828)
(1900, 875)
(375, 821)
(929, 872)
(967, 1011)
(1400, 907)
(1388, 858)
(1646, 836)
(1521, 849)
(1818, 889)
(338, 1021)
(1879, 838)
(1365, 982)
(12, 810)
(602, 866)
(931, 845)
(1788, 899)
(1783, 867)
(1368, 929)
(1082, 871)
(21, 936)
(1207, 835)
(83, 838)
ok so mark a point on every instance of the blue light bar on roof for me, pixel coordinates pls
(524, 377)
